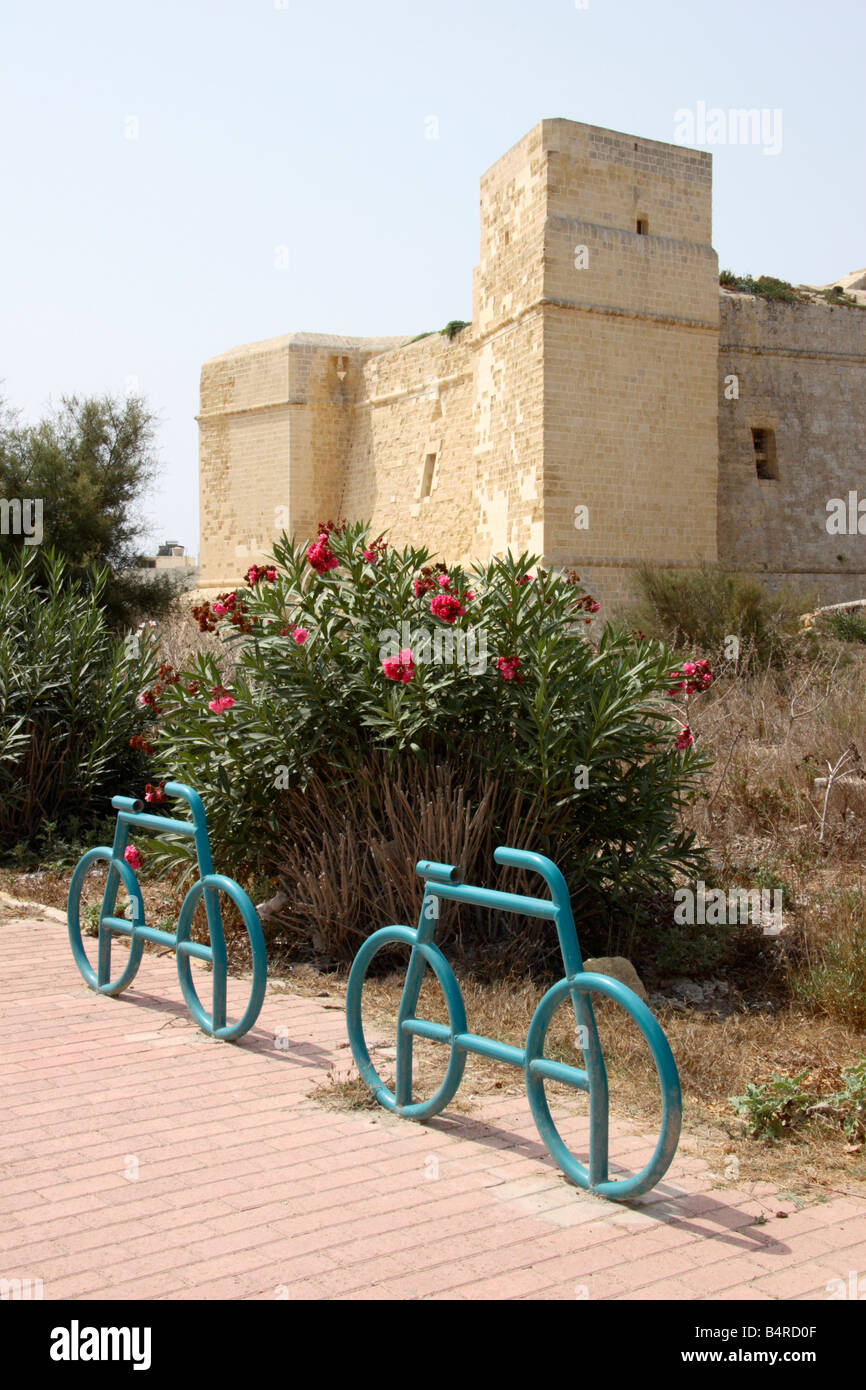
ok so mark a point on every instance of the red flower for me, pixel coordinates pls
(684, 738)
(321, 556)
(424, 582)
(133, 857)
(400, 668)
(693, 678)
(446, 607)
(507, 666)
(156, 793)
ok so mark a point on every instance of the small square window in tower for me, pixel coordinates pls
(427, 475)
(643, 226)
(764, 445)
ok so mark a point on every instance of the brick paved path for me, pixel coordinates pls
(140, 1159)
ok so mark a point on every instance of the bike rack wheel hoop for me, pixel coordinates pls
(423, 953)
(215, 1023)
(538, 1068)
(99, 979)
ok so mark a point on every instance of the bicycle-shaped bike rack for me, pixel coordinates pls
(208, 886)
(443, 881)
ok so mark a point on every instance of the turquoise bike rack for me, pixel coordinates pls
(208, 886)
(443, 881)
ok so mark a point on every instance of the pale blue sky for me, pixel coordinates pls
(264, 124)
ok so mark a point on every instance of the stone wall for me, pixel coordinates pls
(630, 356)
(594, 375)
(800, 371)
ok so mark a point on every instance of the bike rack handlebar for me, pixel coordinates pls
(536, 864)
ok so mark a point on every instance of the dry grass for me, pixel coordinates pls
(342, 873)
(715, 1056)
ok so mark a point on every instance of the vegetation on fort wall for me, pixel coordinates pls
(768, 287)
(370, 708)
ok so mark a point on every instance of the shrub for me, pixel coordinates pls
(781, 1105)
(383, 708)
(705, 606)
(67, 696)
(847, 627)
(776, 1108)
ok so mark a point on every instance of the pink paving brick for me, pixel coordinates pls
(246, 1188)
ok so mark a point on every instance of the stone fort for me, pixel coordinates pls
(609, 405)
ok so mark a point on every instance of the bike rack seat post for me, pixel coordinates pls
(584, 1017)
(219, 957)
(444, 881)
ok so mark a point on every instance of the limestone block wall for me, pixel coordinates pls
(800, 371)
(408, 466)
(508, 288)
(274, 427)
(244, 429)
(630, 353)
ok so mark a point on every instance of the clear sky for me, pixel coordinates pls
(181, 176)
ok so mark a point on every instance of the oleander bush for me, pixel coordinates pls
(68, 688)
(371, 707)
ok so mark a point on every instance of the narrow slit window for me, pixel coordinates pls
(764, 445)
(643, 226)
(427, 475)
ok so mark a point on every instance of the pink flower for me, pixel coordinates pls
(507, 666)
(527, 579)
(300, 635)
(221, 700)
(446, 607)
(219, 609)
(469, 597)
(400, 668)
(684, 738)
(443, 581)
(320, 556)
(695, 677)
(270, 574)
(133, 857)
(370, 557)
